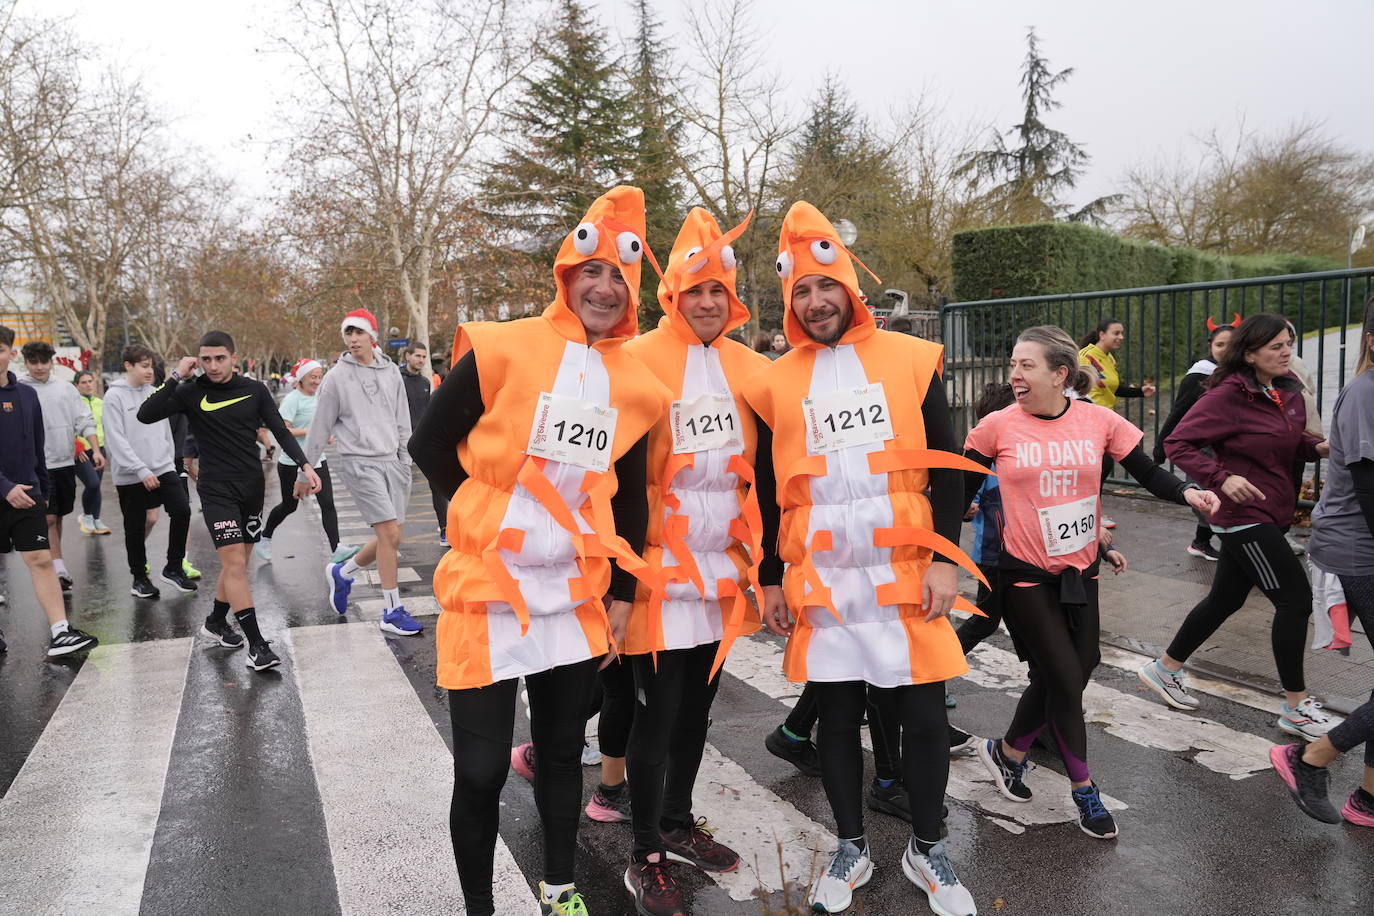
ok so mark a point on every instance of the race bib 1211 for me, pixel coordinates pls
(845, 418)
(572, 431)
(1070, 527)
(704, 423)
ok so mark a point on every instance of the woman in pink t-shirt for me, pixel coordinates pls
(1048, 450)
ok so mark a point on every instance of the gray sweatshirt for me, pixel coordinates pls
(364, 408)
(65, 416)
(135, 449)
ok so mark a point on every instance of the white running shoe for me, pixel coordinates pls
(591, 754)
(263, 549)
(850, 868)
(933, 873)
(1308, 721)
(1168, 684)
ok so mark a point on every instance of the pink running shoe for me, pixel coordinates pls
(609, 807)
(522, 760)
(1359, 809)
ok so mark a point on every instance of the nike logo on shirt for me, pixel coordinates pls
(207, 405)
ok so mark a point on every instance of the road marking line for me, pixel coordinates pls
(416, 606)
(1245, 696)
(373, 577)
(390, 847)
(93, 784)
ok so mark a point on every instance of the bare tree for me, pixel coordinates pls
(398, 102)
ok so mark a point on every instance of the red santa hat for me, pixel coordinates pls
(361, 319)
(303, 366)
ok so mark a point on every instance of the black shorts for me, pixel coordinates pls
(171, 492)
(232, 510)
(61, 490)
(24, 530)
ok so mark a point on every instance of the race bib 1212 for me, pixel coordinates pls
(845, 418)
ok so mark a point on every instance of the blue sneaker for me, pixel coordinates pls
(399, 622)
(340, 587)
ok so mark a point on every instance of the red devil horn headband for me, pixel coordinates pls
(1212, 325)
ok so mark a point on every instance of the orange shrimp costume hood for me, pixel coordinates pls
(849, 449)
(532, 535)
(704, 536)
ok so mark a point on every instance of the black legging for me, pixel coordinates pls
(802, 718)
(483, 720)
(920, 711)
(615, 700)
(90, 483)
(1060, 643)
(1358, 727)
(975, 629)
(667, 740)
(286, 475)
(1258, 556)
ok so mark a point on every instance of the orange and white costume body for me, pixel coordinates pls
(856, 529)
(703, 541)
(521, 588)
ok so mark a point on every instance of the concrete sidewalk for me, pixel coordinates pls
(1143, 608)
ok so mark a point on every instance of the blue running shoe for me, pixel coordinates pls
(340, 587)
(399, 622)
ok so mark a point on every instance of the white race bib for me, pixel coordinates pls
(704, 423)
(572, 431)
(1070, 527)
(848, 417)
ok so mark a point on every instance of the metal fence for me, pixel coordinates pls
(1166, 332)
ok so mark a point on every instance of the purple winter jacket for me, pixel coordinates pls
(1251, 436)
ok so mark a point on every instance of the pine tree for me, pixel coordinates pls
(572, 136)
(1031, 176)
(653, 165)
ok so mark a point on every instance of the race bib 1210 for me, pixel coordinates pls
(572, 431)
(845, 418)
(704, 423)
(1070, 527)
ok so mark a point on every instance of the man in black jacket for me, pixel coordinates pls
(415, 372)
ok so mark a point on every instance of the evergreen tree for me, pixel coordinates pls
(1031, 176)
(571, 136)
(654, 129)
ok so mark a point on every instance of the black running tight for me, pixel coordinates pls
(1060, 643)
(483, 720)
(1257, 556)
(1358, 727)
(667, 740)
(616, 703)
(802, 718)
(920, 712)
(286, 475)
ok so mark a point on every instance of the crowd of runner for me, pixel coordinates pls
(620, 508)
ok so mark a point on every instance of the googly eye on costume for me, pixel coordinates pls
(824, 251)
(727, 257)
(784, 264)
(692, 253)
(629, 247)
(585, 239)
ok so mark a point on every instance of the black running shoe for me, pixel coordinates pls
(653, 890)
(69, 641)
(261, 657)
(66, 581)
(178, 580)
(142, 588)
(1007, 773)
(222, 632)
(1306, 783)
(890, 800)
(962, 744)
(801, 754)
(1093, 817)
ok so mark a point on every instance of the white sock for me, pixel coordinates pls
(59, 566)
(350, 569)
(59, 628)
(392, 597)
(552, 891)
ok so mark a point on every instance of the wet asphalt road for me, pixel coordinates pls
(241, 827)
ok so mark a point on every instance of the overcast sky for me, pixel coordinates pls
(1147, 75)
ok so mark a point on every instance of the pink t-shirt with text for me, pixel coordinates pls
(1050, 475)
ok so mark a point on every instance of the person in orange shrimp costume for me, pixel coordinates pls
(704, 544)
(547, 418)
(861, 429)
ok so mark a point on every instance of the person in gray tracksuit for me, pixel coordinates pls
(143, 462)
(362, 404)
(65, 416)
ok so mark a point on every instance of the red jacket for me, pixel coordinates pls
(1249, 435)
